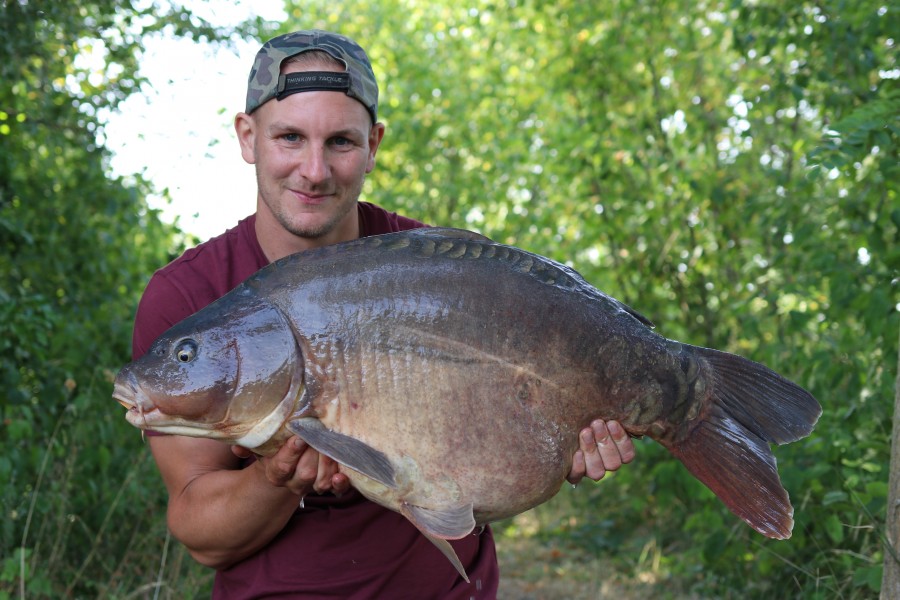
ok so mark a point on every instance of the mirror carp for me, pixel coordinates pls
(450, 375)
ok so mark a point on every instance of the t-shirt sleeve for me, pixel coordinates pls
(374, 220)
(161, 306)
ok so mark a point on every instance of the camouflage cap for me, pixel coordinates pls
(267, 82)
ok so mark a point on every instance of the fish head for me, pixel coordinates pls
(231, 372)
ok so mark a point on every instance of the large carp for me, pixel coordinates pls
(450, 375)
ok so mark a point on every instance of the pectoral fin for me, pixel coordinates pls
(346, 450)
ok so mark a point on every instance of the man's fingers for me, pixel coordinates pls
(578, 468)
(594, 458)
(281, 468)
(609, 452)
(306, 469)
(622, 441)
(606, 447)
(325, 471)
(340, 484)
(241, 452)
(302, 469)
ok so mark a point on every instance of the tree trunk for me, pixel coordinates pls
(890, 581)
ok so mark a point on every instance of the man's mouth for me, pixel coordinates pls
(311, 198)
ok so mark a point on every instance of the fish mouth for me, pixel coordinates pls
(128, 393)
(141, 411)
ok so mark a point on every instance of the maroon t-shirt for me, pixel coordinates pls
(345, 547)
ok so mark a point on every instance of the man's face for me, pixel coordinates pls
(312, 151)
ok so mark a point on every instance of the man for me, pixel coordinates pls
(290, 525)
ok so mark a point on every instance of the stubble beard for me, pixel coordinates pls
(308, 231)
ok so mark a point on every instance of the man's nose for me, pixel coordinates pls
(314, 164)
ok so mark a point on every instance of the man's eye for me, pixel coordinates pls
(291, 137)
(341, 142)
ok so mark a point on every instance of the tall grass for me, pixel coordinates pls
(91, 524)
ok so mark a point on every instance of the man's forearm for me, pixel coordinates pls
(220, 512)
(225, 516)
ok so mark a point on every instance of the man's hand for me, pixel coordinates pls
(300, 469)
(603, 447)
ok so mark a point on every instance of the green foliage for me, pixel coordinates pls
(80, 513)
(727, 168)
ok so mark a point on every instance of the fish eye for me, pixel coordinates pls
(186, 351)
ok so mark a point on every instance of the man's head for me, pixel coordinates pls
(310, 131)
(267, 80)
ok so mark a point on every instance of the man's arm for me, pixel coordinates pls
(223, 513)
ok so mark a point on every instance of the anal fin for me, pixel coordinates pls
(346, 450)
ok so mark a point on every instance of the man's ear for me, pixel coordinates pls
(376, 134)
(245, 128)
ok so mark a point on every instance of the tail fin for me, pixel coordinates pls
(750, 406)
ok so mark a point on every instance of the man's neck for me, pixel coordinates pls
(276, 242)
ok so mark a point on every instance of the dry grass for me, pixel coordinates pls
(535, 567)
(530, 570)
